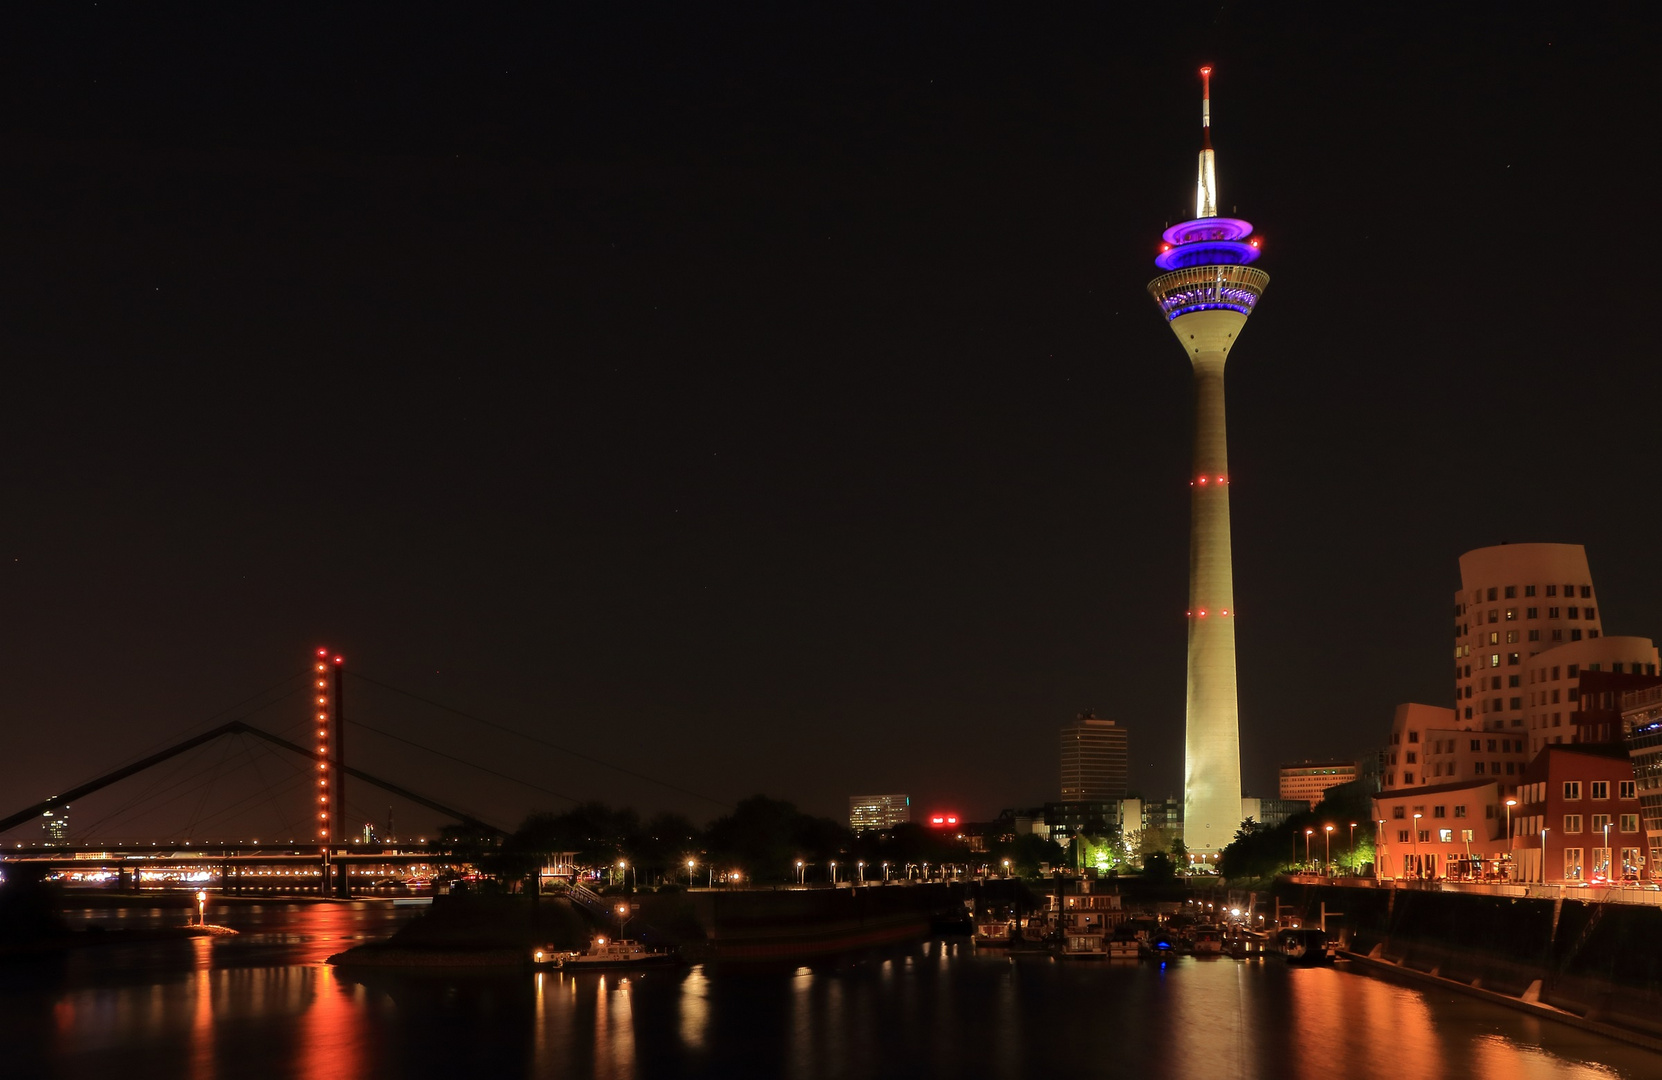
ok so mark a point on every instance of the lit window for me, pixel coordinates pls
(1445, 836)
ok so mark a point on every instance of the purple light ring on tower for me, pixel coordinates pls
(1212, 228)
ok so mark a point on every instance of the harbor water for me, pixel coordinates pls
(265, 1004)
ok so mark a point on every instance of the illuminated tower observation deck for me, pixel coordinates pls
(1207, 292)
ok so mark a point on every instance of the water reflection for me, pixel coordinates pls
(264, 1005)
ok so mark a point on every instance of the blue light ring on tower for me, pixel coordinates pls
(1208, 253)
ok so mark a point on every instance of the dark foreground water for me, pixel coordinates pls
(265, 1005)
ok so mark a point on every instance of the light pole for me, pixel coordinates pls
(799, 872)
(1510, 803)
(1417, 867)
(202, 907)
(1606, 852)
(860, 871)
(689, 873)
(1544, 831)
(1327, 864)
(1006, 867)
(1352, 855)
(833, 873)
(1308, 833)
(1378, 851)
(885, 871)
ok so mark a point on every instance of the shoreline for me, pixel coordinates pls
(1538, 1009)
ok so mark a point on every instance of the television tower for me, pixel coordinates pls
(1208, 290)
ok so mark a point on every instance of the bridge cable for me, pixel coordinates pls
(463, 761)
(185, 732)
(207, 789)
(540, 741)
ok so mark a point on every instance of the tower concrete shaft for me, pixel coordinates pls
(1212, 745)
(1207, 294)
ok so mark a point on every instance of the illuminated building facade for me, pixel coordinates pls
(1093, 760)
(1206, 292)
(1308, 781)
(876, 812)
(55, 824)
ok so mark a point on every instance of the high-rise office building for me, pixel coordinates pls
(1308, 781)
(1206, 293)
(1093, 760)
(868, 812)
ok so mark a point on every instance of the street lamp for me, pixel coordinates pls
(885, 871)
(1544, 831)
(799, 871)
(1510, 803)
(1006, 867)
(1607, 851)
(1353, 847)
(1327, 864)
(1417, 843)
(1379, 851)
(833, 873)
(860, 871)
(202, 907)
(1308, 833)
(689, 873)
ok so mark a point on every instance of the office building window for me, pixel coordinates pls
(1572, 823)
(1512, 680)
(1572, 864)
(1572, 789)
(1477, 744)
(1586, 592)
(1626, 789)
(1466, 835)
(1535, 635)
(1600, 822)
(1598, 789)
(1439, 811)
(1590, 613)
(1532, 613)
(1459, 811)
(1445, 836)
(1477, 768)
(1402, 836)
(1491, 594)
(1511, 614)
(1494, 637)
(1511, 592)
(1529, 590)
(1552, 590)
(1399, 811)
(1630, 823)
(1573, 613)
(1569, 591)
(1575, 635)
(1425, 836)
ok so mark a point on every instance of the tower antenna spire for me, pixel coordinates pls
(1206, 186)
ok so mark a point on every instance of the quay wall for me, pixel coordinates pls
(1599, 959)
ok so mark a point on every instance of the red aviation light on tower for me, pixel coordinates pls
(943, 821)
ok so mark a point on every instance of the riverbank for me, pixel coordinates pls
(1593, 959)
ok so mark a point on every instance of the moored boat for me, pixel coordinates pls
(604, 952)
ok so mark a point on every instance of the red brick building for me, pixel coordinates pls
(1577, 817)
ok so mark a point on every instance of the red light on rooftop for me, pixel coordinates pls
(323, 652)
(340, 659)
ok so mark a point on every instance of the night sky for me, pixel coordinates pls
(769, 400)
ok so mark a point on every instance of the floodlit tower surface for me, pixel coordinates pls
(1206, 293)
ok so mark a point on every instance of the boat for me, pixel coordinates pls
(604, 952)
(993, 933)
(1306, 946)
(1205, 941)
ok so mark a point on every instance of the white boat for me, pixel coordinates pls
(611, 952)
(1207, 941)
